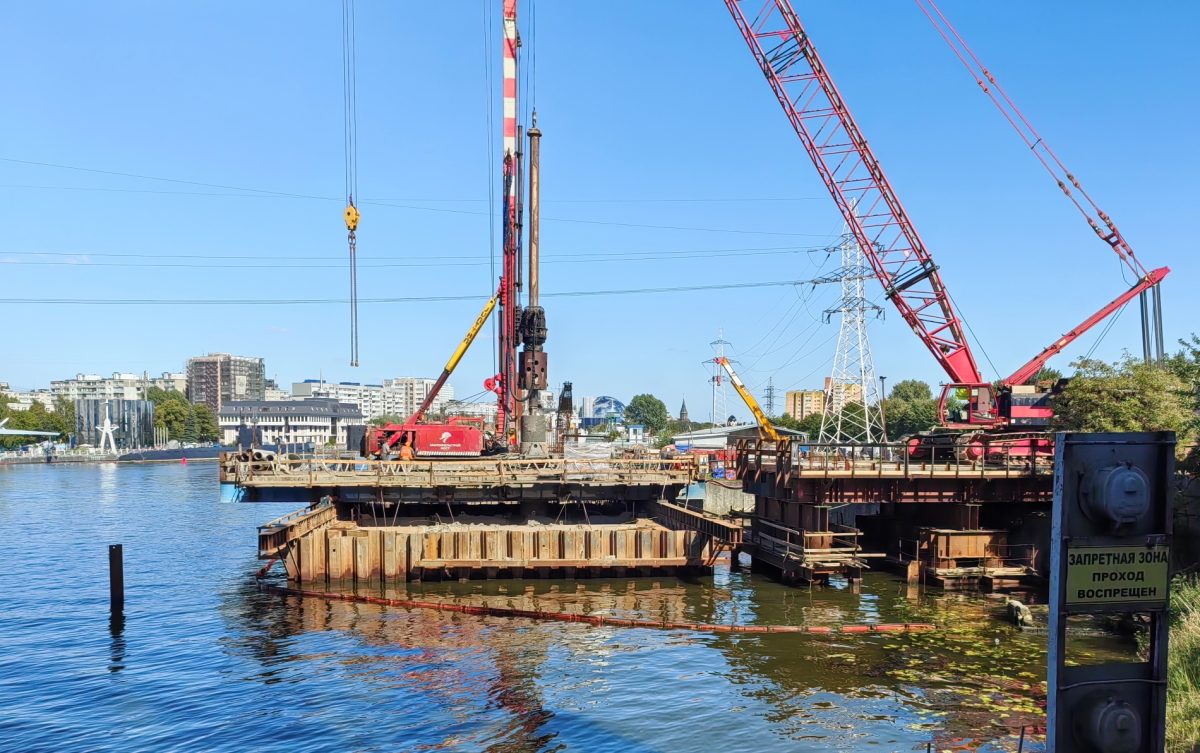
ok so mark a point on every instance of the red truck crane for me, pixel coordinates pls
(1005, 417)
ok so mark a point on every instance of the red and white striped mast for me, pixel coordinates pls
(506, 381)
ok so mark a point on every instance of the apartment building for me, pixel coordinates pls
(116, 387)
(218, 378)
(802, 403)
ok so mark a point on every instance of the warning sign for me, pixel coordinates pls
(1107, 574)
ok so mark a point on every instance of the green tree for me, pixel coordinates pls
(906, 417)
(34, 418)
(171, 411)
(648, 411)
(62, 419)
(1185, 364)
(1045, 375)
(909, 408)
(785, 421)
(207, 428)
(387, 418)
(191, 431)
(910, 389)
(1126, 396)
(810, 424)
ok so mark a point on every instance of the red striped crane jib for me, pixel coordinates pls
(510, 77)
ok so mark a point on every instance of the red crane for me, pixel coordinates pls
(884, 230)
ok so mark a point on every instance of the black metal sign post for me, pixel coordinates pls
(1110, 553)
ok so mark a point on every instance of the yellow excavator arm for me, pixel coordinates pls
(459, 352)
(764, 423)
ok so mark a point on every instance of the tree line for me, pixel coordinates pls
(183, 421)
(38, 418)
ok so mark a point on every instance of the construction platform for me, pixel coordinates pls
(822, 510)
(500, 517)
(498, 480)
(818, 512)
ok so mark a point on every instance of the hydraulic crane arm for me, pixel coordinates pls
(454, 359)
(1022, 375)
(855, 179)
(764, 423)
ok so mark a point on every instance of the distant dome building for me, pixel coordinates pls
(608, 407)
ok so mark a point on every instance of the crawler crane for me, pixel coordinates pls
(995, 421)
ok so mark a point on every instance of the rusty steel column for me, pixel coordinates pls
(535, 138)
(116, 579)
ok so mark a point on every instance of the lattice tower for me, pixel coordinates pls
(719, 405)
(852, 411)
(771, 397)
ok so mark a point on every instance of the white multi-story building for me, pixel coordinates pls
(371, 399)
(316, 420)
(587, 407)
(486, 411)
(395, 397)
(405, 395)
(116, 387)
(18, 400)
(272, 392)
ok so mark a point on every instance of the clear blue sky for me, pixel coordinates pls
(654, 115)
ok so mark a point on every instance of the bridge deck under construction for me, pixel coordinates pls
(508, 517)
(955, 522)
(485, 480)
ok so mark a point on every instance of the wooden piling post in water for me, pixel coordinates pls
(116, 579)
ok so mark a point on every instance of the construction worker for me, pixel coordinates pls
(406, 450)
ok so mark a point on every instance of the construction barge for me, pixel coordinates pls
(393, 521)
(817, 512)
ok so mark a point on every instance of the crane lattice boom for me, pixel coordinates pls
(855, 180)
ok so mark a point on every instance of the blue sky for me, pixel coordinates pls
(666, 162)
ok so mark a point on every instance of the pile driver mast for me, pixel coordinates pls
(894, 250)
(505, 382)
(522, 376)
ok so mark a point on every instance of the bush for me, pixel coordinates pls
(1183, 667)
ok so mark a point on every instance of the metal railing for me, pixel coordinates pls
(791, 543)
(314, 471)
(1030, 455)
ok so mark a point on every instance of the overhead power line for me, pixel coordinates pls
(264, 193)
(332, 301)
(83, 259)
(275, 195)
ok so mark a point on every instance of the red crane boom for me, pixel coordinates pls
(1026, 372)
(884, 232)
(856, 181)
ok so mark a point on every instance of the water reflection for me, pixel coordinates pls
(116, 646)
(521, 685)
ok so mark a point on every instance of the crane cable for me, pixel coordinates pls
(987, 82)
(350, 102)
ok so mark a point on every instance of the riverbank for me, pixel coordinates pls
(1183, 672)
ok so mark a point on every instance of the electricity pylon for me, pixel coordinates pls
(852, 411)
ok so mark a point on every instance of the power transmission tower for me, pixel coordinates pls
(719, 405)
(770, 395)
(852, 412)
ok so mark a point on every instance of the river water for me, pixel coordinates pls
(204, 661)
